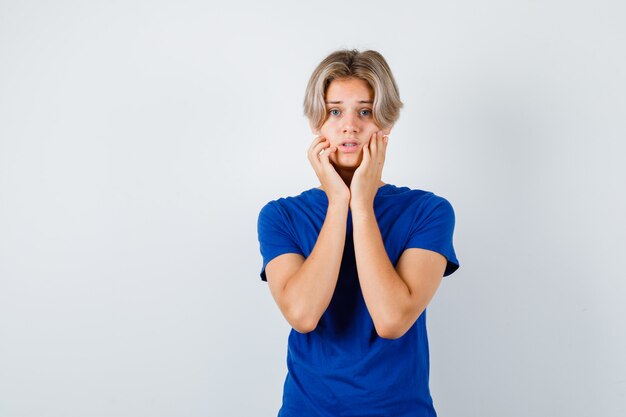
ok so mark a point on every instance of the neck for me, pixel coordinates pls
(346, 175)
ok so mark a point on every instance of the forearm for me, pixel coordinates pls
(385, 293)
(311, 288)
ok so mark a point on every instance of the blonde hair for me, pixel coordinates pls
(369, 66)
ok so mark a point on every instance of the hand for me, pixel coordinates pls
(366, 179)
(333, 185)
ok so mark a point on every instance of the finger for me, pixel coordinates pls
(373, 143)
(383, 149)
(316, 141)
(383, 152)
(325, 157)
(320, 147)
(315, 149)
(374, 147)
(366, 154)
(325, 153)
(380, 145)
(385, 144)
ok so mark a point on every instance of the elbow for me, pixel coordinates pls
(303, 323)
(392, 329)
(303, 326)
(391, 333)
(304, 329)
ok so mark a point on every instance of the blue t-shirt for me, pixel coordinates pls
(343, 368)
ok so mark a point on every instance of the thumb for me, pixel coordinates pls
(326, 154)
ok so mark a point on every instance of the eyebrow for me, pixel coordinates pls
(360, 101)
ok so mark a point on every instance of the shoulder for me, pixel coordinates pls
(417, 208)
(417, 198)
(300, 202)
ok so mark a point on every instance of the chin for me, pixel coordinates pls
(353, 164)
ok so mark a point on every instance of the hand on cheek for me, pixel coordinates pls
(367, 176)
(320, 153)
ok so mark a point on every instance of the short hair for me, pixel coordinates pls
(369, 66)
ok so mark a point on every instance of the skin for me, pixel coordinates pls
(349, 106)
(303, 288)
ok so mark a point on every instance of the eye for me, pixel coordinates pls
(367, 111)
(332, 110)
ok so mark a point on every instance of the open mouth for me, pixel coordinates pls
(349, 146)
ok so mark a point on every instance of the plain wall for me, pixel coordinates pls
(139, 140)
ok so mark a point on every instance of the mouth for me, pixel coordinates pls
(349, 146)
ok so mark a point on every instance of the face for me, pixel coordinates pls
(349, 120)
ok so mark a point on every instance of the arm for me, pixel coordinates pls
(396, 297)
(302, 288)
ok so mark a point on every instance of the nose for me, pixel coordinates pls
(350, 124)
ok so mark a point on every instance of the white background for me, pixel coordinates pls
(139, 140)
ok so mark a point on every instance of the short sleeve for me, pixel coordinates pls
(275, 237)
(433, 229)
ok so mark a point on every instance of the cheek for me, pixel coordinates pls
(371, 132)
(330, 127)
(327, 133)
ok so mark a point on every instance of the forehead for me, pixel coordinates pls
(352, 89)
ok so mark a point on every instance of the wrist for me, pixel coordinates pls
(339, 204)
(361, 209)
